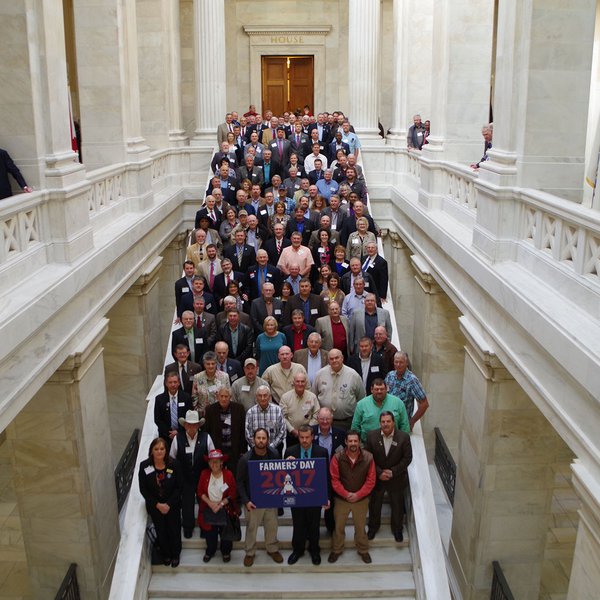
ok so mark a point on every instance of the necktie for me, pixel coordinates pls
(261, 279)
(278, 246)
(240, 251)
(198, 321)
(366, 265)
(183, 376)
(211, 277)
(273, 133)
(298, 139)
(227, 280)
(280, 144)
(174, 422)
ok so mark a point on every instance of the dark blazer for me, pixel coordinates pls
(245, 341)
(341, 220)
(317, 256)
(170, 490)
(220, 289)
(379, 271)
(318, 308)
(270, 246)
(222, 319)
(258, 313)
(273, 276)
(248, 258)
(286, 148)
(209, 321)
(8, 166)
(274, 168)
(315, 175)
(214, 224)
(288, 331)
(298, 148)
(247, 207)
(316, 452)
(375, 368)
(219, 156)
(234, 369)
(339, 438)
(292, 225)
(162, 412)
(370, 285)
(255, 176)
(350, 227)
(187, 303)
(200, 342)
(186, 380)
(332, 148)
(326, 136)
(398, 458)
(181, 285)
(214, 428)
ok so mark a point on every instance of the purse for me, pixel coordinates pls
(218, 518)
(232, 532)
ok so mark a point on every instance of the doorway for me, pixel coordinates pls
(287, 83)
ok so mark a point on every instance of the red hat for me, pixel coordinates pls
(216, 454)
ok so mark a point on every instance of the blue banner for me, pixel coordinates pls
(296, 483)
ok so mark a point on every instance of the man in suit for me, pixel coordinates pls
(385, 349)
(298, 140)
(317, 173)
(311, 305)
(347, 281)
(210, 267)
(366, 363)
(239, 337)
(187, 300)
(224, 128)
(225, 421)
(184, 285)
(377, 266)
(223, 279)
(350, 224)
(206, 320)
(306, 520)
(266, 305)
(184, 368)
(241, 255)
(250, 171)
(338, 144)
(230, 303)
(300, 224)
(223, 154)
(392, 453)
(269, 133)
(169, 407)
(297, 333)
(232, 367)
(323, 129)
(281, 147)
(259, 274)
(312, 358)
(275, 245)
(364, 322)
(270, 168)
(210, 210)
(8, 166)
(333, 329)
(336, 213)
(189, 335)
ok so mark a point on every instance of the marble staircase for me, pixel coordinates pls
(389, 576)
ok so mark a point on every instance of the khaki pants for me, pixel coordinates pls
(267, 517)
(341, 511)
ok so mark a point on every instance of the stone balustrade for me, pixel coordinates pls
(20, 225)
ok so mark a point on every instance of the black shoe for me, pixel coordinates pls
(398, 536)
(371, 534)
(175, 562)
(166, 562)
(206, 558)
(187, 533)
(226, 557)
(316, 559)
(293, 558)
(280, 512)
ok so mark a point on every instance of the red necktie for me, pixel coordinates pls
(198, 322)
(280, 143)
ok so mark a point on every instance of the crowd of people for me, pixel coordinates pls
(284, 347)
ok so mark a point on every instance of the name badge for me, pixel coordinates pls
(344, 265)
(234, 377)
(374, 369)
(245, 388)
(189, 450)
(227, 420)
(224, 487)
(208, 306)
(181, 404)
(186, 289)
(199, 341)
(252, 275)
(149, 469)
(333, 227)
(419, 134)
(355, 241)
(277, 311)
(269, 275)
(314, 311)
(212, 389)
(366, 284)
(321, 250)
(262, 212)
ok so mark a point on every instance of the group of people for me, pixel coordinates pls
(283, 351)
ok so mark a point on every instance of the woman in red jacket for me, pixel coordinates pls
(217, 493)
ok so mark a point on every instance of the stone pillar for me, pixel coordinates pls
(460, 89)
(133, 355)
(211, 83)
(438, 357)
(537, 143)
(64, 482)
(413, 21)
(585, 574)
(363, 67)
(107, 64)
(505, 478)
(177, 136)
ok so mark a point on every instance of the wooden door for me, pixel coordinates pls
(274, 84)
(287, 83)
(301, 83)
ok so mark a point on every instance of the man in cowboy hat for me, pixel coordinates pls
(189, 448)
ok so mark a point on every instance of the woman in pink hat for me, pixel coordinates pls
(217, 494)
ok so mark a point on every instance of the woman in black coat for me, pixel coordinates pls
(160, 484)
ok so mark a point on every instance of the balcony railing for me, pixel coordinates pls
(69, 589)
(500, 587)
(445, 465)
(126, 468)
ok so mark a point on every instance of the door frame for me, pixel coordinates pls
(311, 103)
(276, 41)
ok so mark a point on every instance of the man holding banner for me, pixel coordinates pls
(267, 517)
(306, 520)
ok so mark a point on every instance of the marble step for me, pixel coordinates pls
(384, 538)
(254, 584)
(384, 559)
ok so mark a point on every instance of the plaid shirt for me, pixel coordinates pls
(270, 419)
(407, 388)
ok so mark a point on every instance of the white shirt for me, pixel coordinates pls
(313, 365)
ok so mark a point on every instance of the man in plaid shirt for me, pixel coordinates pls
(267, 415)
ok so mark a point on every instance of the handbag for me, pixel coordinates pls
(155, 553)
(232, 532)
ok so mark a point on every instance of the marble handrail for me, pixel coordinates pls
(21, 225)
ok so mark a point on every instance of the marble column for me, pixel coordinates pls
(171, 20)
(437, 357)
(505, 480)
(109, 86)
(460, 88)
(363, 67)
(63, 474)
(133, 355)
(211, 83)
(537, 142)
